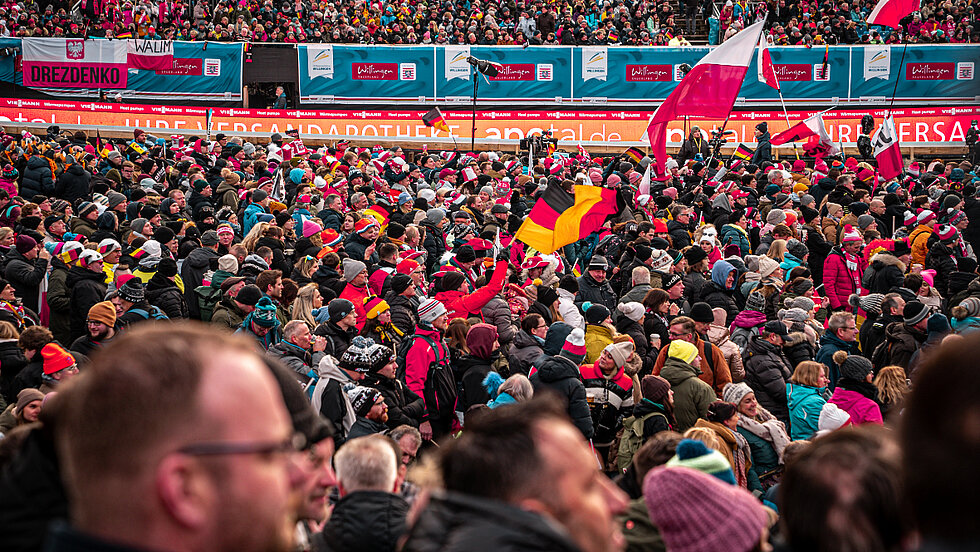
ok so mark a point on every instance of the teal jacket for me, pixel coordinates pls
(805, 404)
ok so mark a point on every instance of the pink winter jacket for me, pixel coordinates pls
(839, 281)
(861, 409)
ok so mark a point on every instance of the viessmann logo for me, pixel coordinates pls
(75, 49)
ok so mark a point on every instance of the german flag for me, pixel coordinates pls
(560, 218)
(551, 148)
(379, 212)
(613, 34)
(635, 154)
(127, 34)
(435, 120)
(742, 152)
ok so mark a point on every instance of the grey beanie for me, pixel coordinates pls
(776, 216)
(856, 367)
(352, 268)
(755, 302)
(434, 215)
(864, 221)
(801, 302)
(793, 315)
(807, 199)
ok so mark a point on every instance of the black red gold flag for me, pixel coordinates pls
(560, 218)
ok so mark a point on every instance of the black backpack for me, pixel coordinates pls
(405, 345)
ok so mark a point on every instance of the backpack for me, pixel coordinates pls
(882, 355)
(405, 345)
(207, 299)
(632, 439)
(154, 313)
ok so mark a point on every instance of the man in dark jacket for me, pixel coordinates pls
(766, 369)
(87, 284)
(73, 182)
(528, 450)
(403, 303)
(369, 516)
(331, 214)
(903, 339)
(680, 228)
(27, 263)
(841, 335)
(38, 178)
(298, 350)
(435, 240)
(594, 287)
(887, 269)
(559, 373)
(872, 332)
(763, 149)
(719, 291)
(197, 263)
(339, 328)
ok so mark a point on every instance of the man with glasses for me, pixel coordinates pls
(680, 228)
(841, 335)
(198, 431)
(100, 326)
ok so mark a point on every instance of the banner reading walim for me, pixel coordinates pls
(74, 63)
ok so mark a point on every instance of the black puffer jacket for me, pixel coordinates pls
(38, 178)
(166, 296)
(59, 301)
(595, 292)
(404, 406)
(31, 493)
(25, 275)
(404, 312)
(87, 289)
(12, 361)
(941, 259)
(460, 523)
(560, 375)
(766, 372)
(73, 183)
(885, 273)
(192, 273)
(338, 340)
(717, 296)
(434, 244)
(364, 521)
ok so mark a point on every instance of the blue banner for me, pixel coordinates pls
(331, 72)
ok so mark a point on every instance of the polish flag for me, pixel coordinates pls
(767, 73)
(154, 55)
(708, 90)
(887, 152)
(813, 131)
(889, 12)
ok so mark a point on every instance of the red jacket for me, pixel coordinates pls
(460, 304)
(357, 296)
(839, 280)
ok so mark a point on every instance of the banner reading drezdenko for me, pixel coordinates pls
(74, 63)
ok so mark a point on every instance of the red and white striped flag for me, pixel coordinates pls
(887, 151)
(767, 72)
(811, 130)
(890, 12)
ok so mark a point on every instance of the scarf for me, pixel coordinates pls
(743, 458)
(766, 427)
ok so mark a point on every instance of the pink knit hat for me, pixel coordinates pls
(697, 512)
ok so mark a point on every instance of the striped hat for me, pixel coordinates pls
(362, 225)
(697, 456)
(909, 218)
(956, 216)
(850, 234)
(375, 306)
(108, 245)
(89, 256)
(69, 251)
(945, 232)
(574, 347)
(431, 309)
(925, 216)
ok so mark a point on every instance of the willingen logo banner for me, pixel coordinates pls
(75, 63)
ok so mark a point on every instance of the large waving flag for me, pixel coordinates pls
(889, 12)
(813, 131)
(560, 218)
(708, 90)
(767, 72)
(435, 120)
(887, 152)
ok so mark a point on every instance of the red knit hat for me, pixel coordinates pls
(363, 224)
(945, 231)
(56, 358)
(374, 306)
(407, 266)
(681, 499)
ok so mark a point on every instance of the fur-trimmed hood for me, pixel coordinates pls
(884, 259)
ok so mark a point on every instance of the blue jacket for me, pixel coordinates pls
(251, 215)
(805, 404)
(830, 344)
(731, 234)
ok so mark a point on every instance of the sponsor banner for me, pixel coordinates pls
(183, 67)
(914, 126)
(930, 71)
(320, 61)
(595, 63)
(649, 73)
(74, 63)
(358, 73)
(877, 62)
(374, 71)
(515, 72)
(456, 65)
(532, 75)
(150, 54)
(793, 72)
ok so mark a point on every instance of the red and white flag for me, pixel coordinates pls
(767, 72)
(889, 12)
(887, 152)
(154, 55)
(709, 90)
(813, 131)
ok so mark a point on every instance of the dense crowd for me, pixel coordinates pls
(732, 323)
(484, 23)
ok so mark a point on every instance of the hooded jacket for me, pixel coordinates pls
(716, 294)
(429, 375)
(691, 395)
(59, 301)
(330, 400)
(192, 272)
(885, 273)
(166, 296)
(463, 305)
(941, 259)
(560, 375)
(766, 372)
(747, 324)
(87, 289)
(73, 183)
(228, 314)
(733, 234)
(524, 350)
(26, 276)
(763, 150)
(404, 313)
(38, 178)
(805, 403)
(859, 399)
(902, 341)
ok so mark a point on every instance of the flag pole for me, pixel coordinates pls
(786, 115)
(898, 77)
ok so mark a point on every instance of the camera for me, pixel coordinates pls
(718, 138)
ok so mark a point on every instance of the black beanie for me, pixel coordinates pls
(167, 267)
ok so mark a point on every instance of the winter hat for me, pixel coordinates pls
(249, 295)
(374, 306)
(598, 262)
(68, 251)
(434, 216)
(364, 224)
(972, 306)
(265, 313)
(209, 238)
(832, 417)
(338, 309)
(363, 399)
(574, 347)
(27, 396)
(643, 252)
(164, 234)
(132, 291)
(661, 260)
(400, 282)
(925, 216)
(654, 388)
(680, 499)
(701, 312)
(850, 234)
(767, 266)
(914, 312)
(870, 303)
(864, 221)
(56, 358)
(956, 217)
(776, 216)
(430, 310)
(755, 302)
(596, 314)
(909, 218)
(228, 263)
(792, 315)
(945, 232)
(167, 267)
(632, 310)
(694, 454)
(352, 268)
(797, 249)
(801, 302)
(358, 357)
(108, 245)
(547, 296)
(620, 352)
(9, 172)
(735, 392)
(854, 367)
(24, 243)
(259, 195)
(938, 324)
(682, 350)
(694, 255)
(103, 312)
(670, 280)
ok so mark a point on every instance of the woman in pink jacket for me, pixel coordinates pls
(451, 291)
(855, 394)
(843, 269)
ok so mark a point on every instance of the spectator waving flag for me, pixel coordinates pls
(767, 72)
(560, 218)
(890, 12)
(708, 90)
(887, 152)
